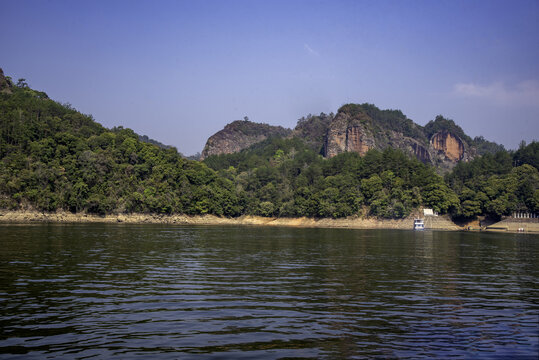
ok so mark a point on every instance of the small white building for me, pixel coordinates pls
(429, 212)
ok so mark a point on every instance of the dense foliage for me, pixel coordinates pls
(382, 121)
(286, 178)
(146, 139)
(440, 123)
(53, 157)
(312, 129)
(484, 146)
(498, 184)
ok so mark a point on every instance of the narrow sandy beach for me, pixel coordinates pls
(438, 223)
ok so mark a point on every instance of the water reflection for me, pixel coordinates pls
(232, 292)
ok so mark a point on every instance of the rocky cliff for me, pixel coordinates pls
(5, 84)
(448, 145)
(239, 135)
(349, 132)
(359, 128)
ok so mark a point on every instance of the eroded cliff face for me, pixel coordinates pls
(354, 132)
(5, 85)
(358, 140)
(420, 152)
(353, 129)
(448, 145)
(348, 133)
(239, 135)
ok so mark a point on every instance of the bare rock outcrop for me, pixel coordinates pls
(5, 84)
(239, 135)
(448, 145)
(359, 128)
(355, 129)
(420, 152)
(348, 133)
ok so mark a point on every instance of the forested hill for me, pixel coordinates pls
(52, 158)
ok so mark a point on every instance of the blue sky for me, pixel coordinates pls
(178, 71)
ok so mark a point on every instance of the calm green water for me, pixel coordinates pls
(152, 291)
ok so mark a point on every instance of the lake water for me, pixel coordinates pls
(158, 291)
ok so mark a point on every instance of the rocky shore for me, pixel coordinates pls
(28, 216)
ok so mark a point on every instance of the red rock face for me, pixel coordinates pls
(346, 139)
(448, 144)
(355, 140)
(346, 133)
(335, 143)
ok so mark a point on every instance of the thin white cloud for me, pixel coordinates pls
(310, 50)
(523, 93)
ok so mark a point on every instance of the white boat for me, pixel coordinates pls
(419, 224)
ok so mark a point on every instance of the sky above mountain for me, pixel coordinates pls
(178, 71)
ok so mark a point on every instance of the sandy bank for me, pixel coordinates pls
(439, 223)
(516, 225)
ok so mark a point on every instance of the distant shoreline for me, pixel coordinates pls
(30, 216)
(431, 223)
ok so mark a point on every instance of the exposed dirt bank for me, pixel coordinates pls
(438, 223)
(516, 225)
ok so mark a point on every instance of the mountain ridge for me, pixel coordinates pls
(361, 127)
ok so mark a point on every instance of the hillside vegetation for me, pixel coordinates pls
(53, 157)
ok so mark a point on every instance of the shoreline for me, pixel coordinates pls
(31, 216)
(443, 223)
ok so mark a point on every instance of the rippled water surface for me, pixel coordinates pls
(151, 291)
